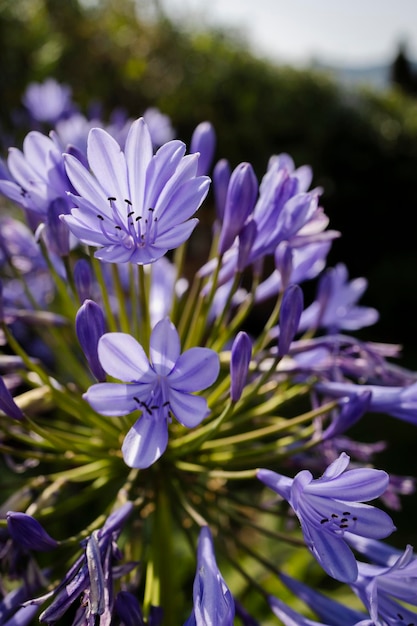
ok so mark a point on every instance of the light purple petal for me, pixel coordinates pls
(138, 153)
(277, 482)
(146, 441)
(113, 398)
(165, 347)
(333, 554)
(124, 358)
(196, 369)
(107, 161)
(189, 410)
(175, 236)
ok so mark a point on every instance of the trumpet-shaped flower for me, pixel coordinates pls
(135, 206)
(330, 506)
(157, 388)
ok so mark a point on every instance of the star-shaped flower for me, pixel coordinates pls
(135, 206)
(157, 388)
(330, 506)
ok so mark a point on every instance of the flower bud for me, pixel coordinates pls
(57, 230)
(246, 239)
(239, 364)
(90, 326)
(284, 263)
(203, 141)
(28, 533)
(128, 609)
(240, 201)
(289, 318)
(221, 179)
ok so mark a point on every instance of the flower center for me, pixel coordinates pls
(131, 230)
(337, 522)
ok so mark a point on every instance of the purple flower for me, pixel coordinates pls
(335, 307)
(213, 602)
(48, 101)
(399, 402)
(384, 590)
(28, 532)
(291, 308)
(157, 388)
(330, 506)
(37, 175)
(137, 205)
(91, 576)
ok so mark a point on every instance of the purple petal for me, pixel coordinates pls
(356, 485)
(165, 347)
(124, 358)
(146, 441)
(189, 410)
(107, 161)
(115, 398)
(333, 554)
(138, 153)
(277, 482)
(195, 369)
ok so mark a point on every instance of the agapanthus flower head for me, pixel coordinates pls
(330, 506)
(213, 602)
(157, 388)
(134, 206)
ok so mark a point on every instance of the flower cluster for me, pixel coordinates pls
(143, 418)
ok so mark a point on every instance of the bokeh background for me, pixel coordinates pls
(352, 115)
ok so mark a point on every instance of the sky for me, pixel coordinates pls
(354, 32)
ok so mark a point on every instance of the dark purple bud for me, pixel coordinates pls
(352, 410)
(128, 609)
(289, 317)
(28, 533)
(240, 200)
(239, 364)
(221, 179)
(283, 263)
(203, 141)
(83, 279)
(90, 326)
(246, 240)
(57, 230)
(7, 404)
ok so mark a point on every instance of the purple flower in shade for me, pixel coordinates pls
(213, 602)
(221, 178)
(327, 609)
(157, 388)
(28, 533)
(91, 576)
(48, 101)
(137, 205)
(385, 591)
(203, 141)
(239, 364)
(290, 617)
(330, 506)
(399, 402)
(335, 307)
(90, 325)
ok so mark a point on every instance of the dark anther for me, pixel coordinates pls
(400, 616)
(118, 227)
(166, 404)
(128, 201)
(346, 513)
(354, 519)
(139, 217)
(324, 520)
(151, 210)
(344, 526)
(111, 199)
(100, 217)
(130, 212)
(344, 519)
(334, 515)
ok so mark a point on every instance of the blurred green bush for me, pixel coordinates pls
(362, 145)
